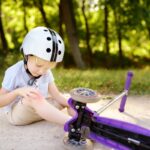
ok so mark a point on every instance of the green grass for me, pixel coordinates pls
(102, 80)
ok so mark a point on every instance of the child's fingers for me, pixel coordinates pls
(34, 95)
(34, 90)
(37, 93)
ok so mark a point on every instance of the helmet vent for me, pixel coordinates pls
(59, 41)
(48, 38)
(59, 52)
(45, 30)
(48, 50)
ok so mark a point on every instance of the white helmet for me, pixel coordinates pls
(44, 43)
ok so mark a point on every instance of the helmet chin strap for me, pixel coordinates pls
(25, 60)
(27, 70)
(33, 78)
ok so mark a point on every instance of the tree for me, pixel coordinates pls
(70, 23)
(2, 34)
(89, 50)
(120, 10)
(118, 23)
(24, 15)
(106, 35)
(39, 4)
(145, 11)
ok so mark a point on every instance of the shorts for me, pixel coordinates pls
(21, 114)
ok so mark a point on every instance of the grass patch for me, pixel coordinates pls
(102, 80)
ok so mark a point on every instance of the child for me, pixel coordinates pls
(27, 84)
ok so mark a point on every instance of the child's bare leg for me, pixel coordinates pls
(62, 105)
(63, 101)
(47, 111)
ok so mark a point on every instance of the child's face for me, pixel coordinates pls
(38, 66)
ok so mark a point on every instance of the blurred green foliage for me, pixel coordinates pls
(19, 16)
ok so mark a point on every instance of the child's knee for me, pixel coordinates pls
(32, 102)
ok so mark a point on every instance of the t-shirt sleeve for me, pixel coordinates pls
(50, 76)
(8, 82)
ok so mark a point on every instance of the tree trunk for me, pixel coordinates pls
(119, 36)
(87, 34)
(106, 34)
(120, 44)
(148, 29)
(2, 35)
(24, 17)
(39, 5)
(60, 22)
(69, 21)
(106, 28)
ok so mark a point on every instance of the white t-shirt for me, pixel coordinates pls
(16, 77)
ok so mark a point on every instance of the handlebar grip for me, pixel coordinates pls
(127, 86)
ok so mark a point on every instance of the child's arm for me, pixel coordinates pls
(57, 95)
(7, 97)
(60, 98)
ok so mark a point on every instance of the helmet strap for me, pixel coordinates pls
(27, 70)
(25, 60)
(55, 46)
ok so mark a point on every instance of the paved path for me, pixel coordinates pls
(48, 136)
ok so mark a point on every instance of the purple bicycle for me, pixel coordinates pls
(88, 124)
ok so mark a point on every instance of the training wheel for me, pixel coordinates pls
(84, 95)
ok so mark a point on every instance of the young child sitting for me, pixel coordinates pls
(27, 85)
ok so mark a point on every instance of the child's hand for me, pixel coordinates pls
(29, 92)
(34, 95)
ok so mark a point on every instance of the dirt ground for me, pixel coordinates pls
(48, 136)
